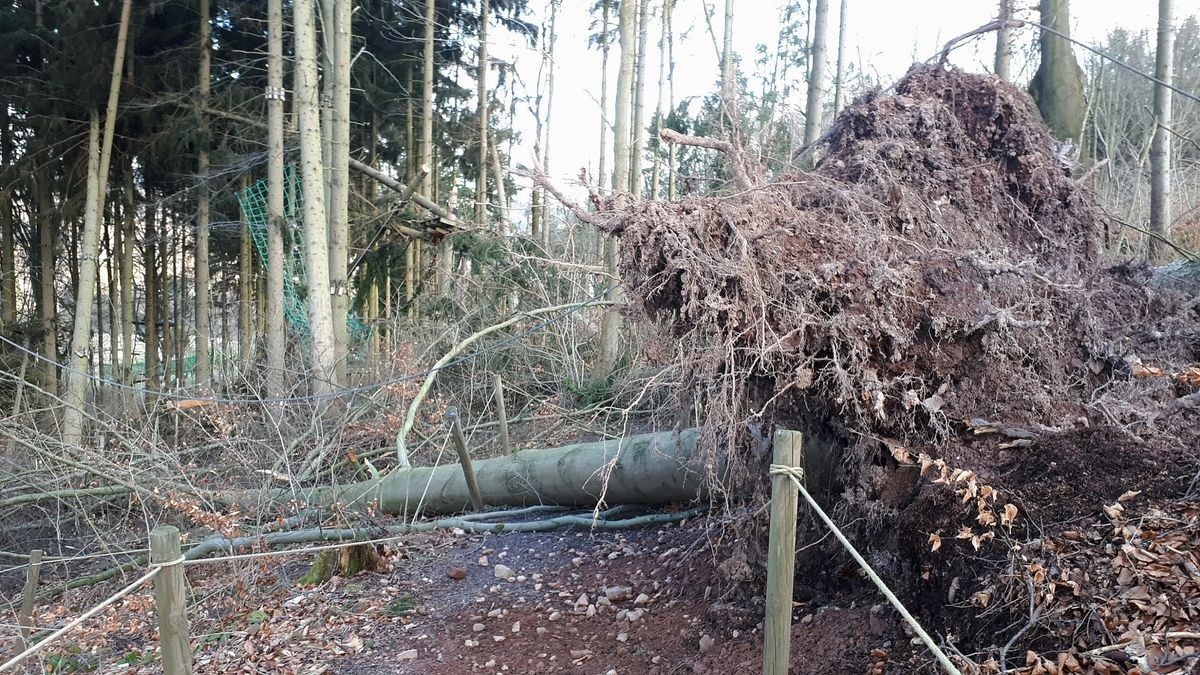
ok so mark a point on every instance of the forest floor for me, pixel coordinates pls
(633, 601)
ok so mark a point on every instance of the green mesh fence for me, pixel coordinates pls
(253, 201)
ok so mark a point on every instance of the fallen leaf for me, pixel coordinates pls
(935, 541)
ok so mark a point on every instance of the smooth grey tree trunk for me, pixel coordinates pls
(276, 336)
(339, 182)
(1160, 149)
(646, 469)
(840, 75)
(316, 238)
(816, 77)
(639, 102)
(1057, 87)
(481, 177)
(610, 324)
(81, 335)
(1003, 61)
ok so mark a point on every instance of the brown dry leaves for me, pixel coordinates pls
(967, 487)
(1118, 587)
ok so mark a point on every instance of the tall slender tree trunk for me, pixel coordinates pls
(656, 175)
(639, 103)
(839, 76)
(610, 325)
(202, 279)
(150, 282)
(316, 238)
(816, 78)
(276, 94)
(1160, 149)
(671, 176)
(481, 177)
(98, 159)
(166, 291)
(1057, 87)
(46, 287)
(1003, 62)
(547, 227)
(340, 183)
(8, 269)
(128, 225)
(727, 74)
(246, 286)
(81, 336)
(428, 69)
(601, 174)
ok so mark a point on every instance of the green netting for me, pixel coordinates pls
(253, 201)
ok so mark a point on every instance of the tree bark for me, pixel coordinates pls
(203, 295)
(481, 176)
(546, 226)
(604, 127)
(1057, 87)
(276, 336)
(427, 109)
(150, 282)
(1160, 149)
(246, 285)
(46, 286)
(81, 336)
(340, 184)
(1003, 62)
(816, 77)
(8, 270)
(316, 239)
(639, 103)
(646, 469)
(128, 227)
(838, 84)
(610, 324)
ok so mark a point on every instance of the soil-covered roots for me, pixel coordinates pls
(935, 296)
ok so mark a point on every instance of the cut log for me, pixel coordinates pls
(645, 469)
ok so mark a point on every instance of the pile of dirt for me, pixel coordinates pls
(933, 296)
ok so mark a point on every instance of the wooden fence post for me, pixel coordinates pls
(781, 556)
(25, 617)
(170, 599)
(464, 458)
(501, 415)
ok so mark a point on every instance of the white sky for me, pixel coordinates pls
(882, 37)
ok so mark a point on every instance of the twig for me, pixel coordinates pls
(740, 178)
(1175, 635)
(540, 178)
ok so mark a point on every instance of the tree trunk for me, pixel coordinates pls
(98, 158)
(1057, 87)
(340, 187)
(128, 225)
(316, 239)
(150, 281)
(1003, 64)
(816, 77)
(639, 103)
(8, 270)
(427, 109)
(841, 60)
(610, 325)
(46, 287)
(1160, 150)
(203, 296)
(481, 177)
(671, 174)
(545, 204)
(276, 337)
(601, 175)
(656, 175)
(246, 285)
(81, 335)
(646, 469)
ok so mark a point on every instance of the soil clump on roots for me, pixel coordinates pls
(933, 298)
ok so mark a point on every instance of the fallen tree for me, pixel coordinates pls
(645, 469)
(934, 298)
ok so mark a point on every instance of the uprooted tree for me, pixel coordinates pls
(933, 299)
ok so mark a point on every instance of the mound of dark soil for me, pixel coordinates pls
(935, 286)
